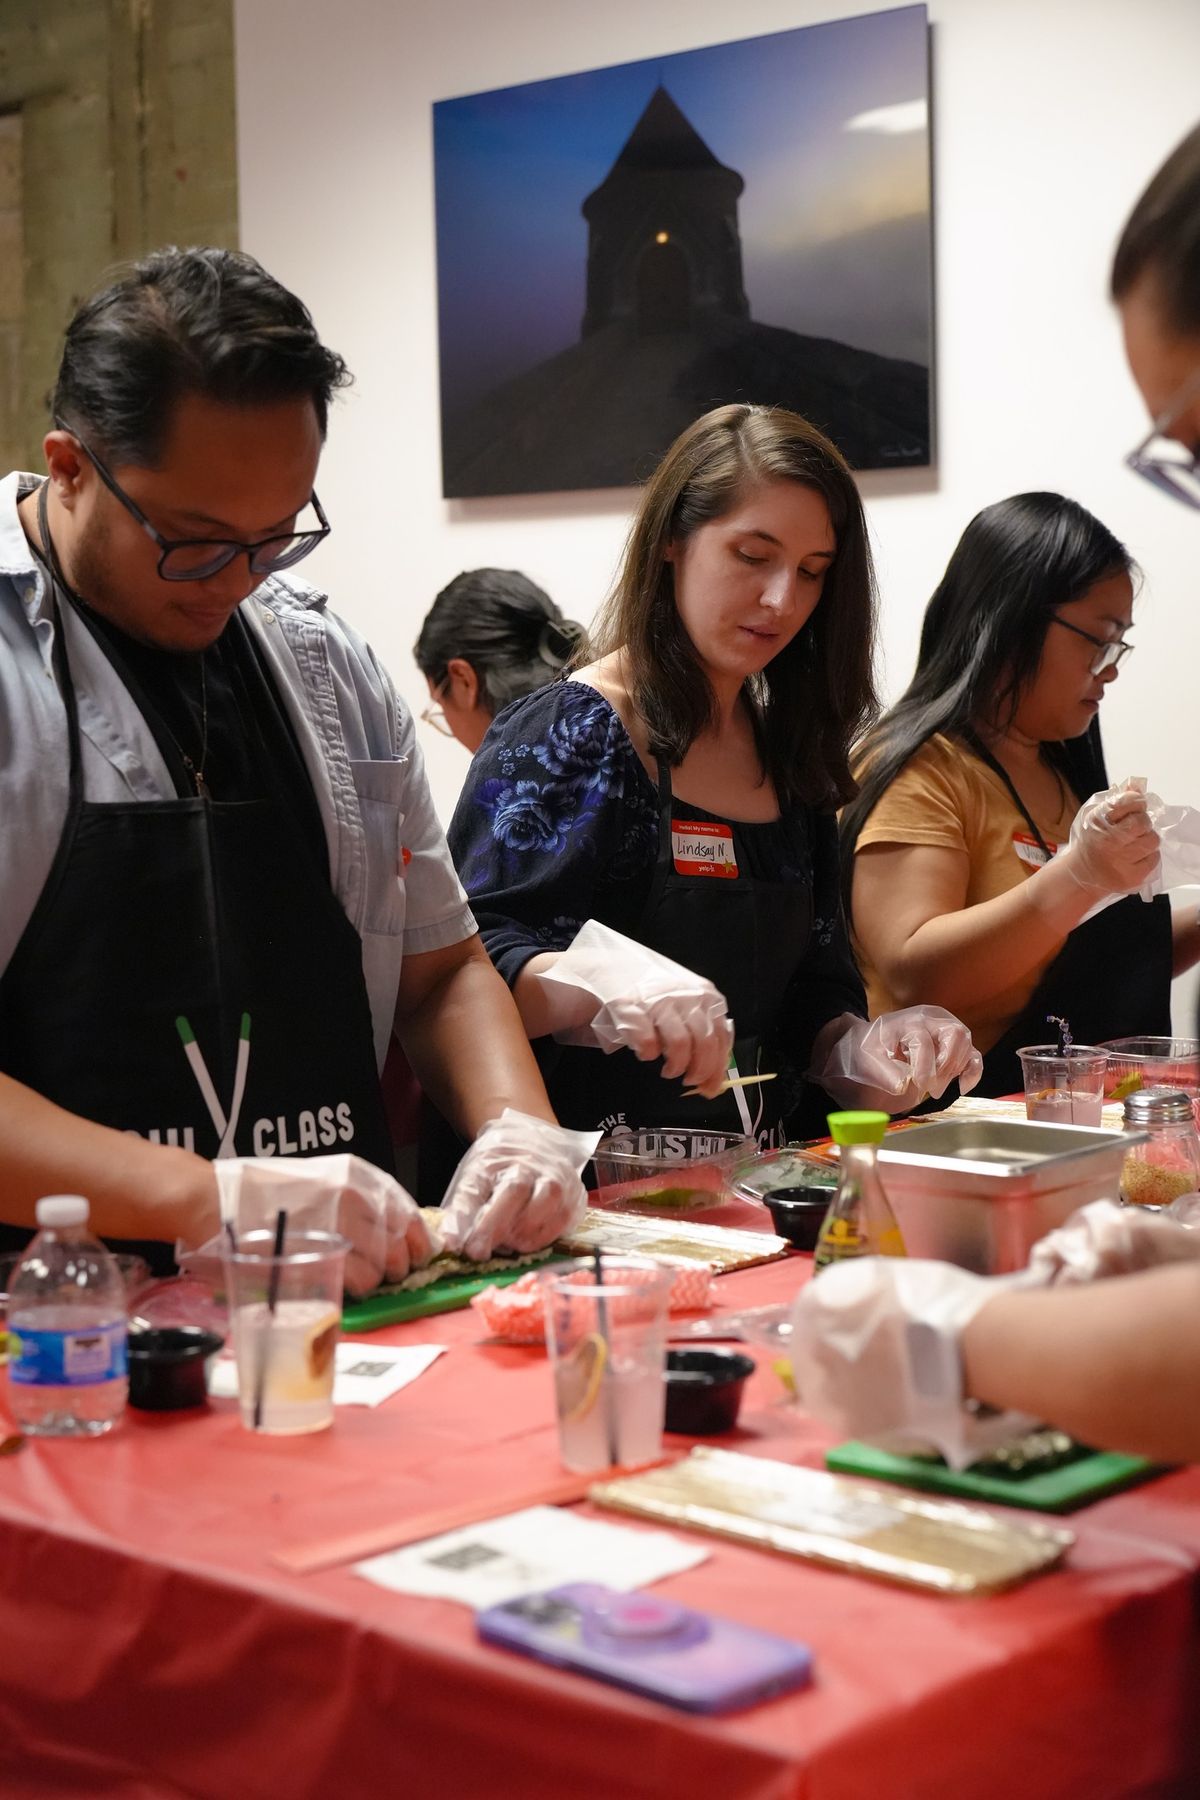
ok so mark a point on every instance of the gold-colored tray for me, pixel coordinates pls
(938, 1545)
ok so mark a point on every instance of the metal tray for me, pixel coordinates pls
(981, 1192)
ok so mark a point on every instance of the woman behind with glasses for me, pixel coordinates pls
(963, 888)
(489, 638)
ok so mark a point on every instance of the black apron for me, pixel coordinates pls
(188, 975)
(1112, 977)
(745, 934)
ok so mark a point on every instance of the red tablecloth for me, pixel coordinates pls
(150, 1649)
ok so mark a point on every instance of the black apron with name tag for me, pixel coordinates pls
(1112, 977)
(188, 975)
(747, 935)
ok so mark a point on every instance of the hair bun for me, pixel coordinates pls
(557, 640)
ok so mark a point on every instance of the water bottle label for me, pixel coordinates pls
(84, 1357)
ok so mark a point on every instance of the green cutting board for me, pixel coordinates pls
(450, 1294)
(1055, 1491)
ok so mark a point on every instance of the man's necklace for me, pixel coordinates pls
(195, 769)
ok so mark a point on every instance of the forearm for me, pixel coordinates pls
(135, 1189)
(546, 1010)
(468, 1048)
(1185, 938)
(1116, 1363)
(962, 958)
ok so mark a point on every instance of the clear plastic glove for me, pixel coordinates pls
(875, 1354)
(1104, 1239)
(891, 1064)
(388, 1236)
(1113, 849)
(646, 1003)
(517, 1188)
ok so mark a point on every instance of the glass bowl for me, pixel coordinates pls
(1137, 1062)
(668, 1168)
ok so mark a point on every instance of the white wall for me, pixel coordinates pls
(1049, 116)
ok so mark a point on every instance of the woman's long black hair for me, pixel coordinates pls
(981, 642)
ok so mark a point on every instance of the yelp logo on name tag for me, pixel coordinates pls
(702, 849)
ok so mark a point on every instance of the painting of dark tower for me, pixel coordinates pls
(620, 251)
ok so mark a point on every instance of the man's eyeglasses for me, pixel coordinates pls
(435, 716)
(1171, 466)
(1111, 651)
(195, 559)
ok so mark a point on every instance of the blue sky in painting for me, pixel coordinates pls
(834, 222)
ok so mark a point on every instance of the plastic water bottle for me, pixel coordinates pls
(67, 1325)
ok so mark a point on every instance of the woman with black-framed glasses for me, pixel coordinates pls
(963, 885)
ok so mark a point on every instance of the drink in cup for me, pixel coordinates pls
(286, 1316)
(1064, 1088)
(606, 1341)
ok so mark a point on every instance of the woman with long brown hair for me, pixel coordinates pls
(676, 796)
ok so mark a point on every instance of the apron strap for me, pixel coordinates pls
(979, 749)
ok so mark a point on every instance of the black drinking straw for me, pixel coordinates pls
(272, 1300)
(1064, 1050)
(610, 1425)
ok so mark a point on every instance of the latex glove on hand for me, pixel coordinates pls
(875, 1354)
(891, 1064)
(388, 1236)
(1113, 848)
(517, 1188)
(1103, 1239)
(645, 1003)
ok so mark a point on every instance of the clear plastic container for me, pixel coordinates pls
(67, 1328)
(1167, 1165)
(668, 1168)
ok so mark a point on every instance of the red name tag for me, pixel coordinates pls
(1030, 851)
(701, 849)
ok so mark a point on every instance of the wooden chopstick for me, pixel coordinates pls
(732, 1082)
(326, 1553)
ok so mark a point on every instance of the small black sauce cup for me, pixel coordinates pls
(798, 1213)
(168, 1365)
(704, 1390)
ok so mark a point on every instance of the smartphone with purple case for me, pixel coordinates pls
(650, 1645)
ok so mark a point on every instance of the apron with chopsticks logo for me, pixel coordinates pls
(1112, 977)
(744, 933)
(188, 975)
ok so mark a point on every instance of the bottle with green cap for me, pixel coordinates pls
(859, 1221)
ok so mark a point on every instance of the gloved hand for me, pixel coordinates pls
(1113, 848)
(1104, 1239)
(891, 1064)
(646, 1003)
(388, 1237)
(875, 1354)
(517, 1188)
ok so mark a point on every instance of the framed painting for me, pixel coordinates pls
(619, 251)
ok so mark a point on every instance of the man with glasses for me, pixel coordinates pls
(1156, 285)
(222, 882)
(926, 1350)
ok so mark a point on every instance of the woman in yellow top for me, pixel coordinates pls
(964, 889)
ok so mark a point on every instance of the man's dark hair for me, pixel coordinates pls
(1162, 239)
(202, 321)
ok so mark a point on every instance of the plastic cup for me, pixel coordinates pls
(1064, 1090)
(285, 1351)
(607, 1342)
